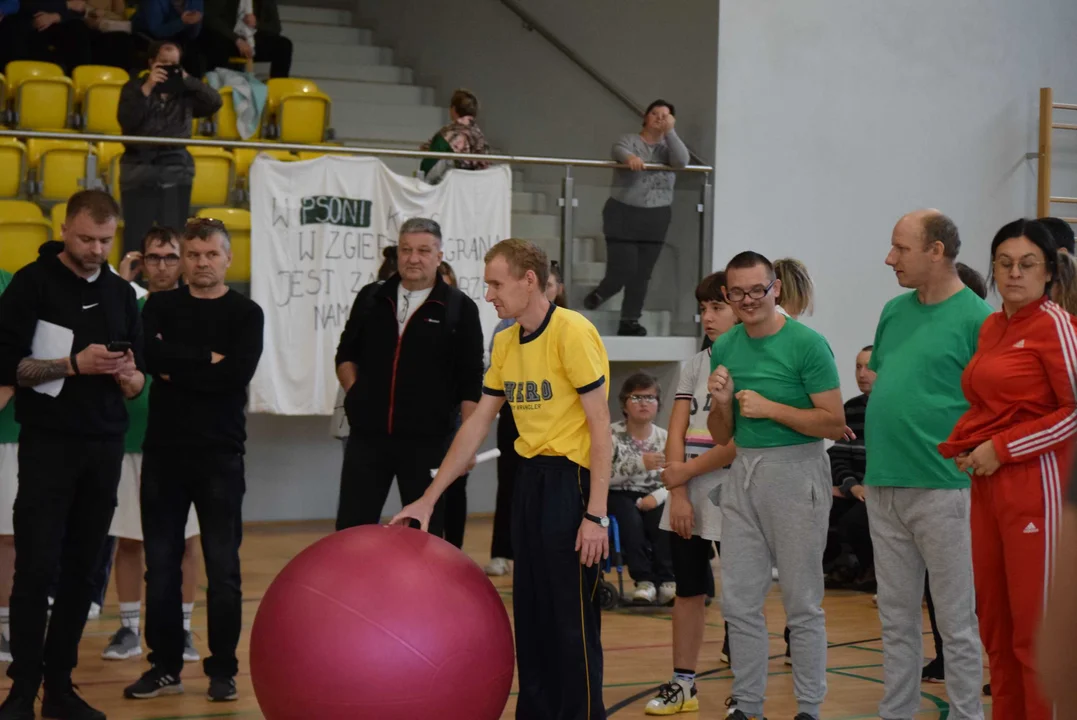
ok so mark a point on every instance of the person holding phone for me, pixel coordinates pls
(57, 319)
(155, 180)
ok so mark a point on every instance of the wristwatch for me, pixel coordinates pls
(603, 521)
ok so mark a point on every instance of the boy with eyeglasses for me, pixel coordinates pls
(160, 264)
(775, 391)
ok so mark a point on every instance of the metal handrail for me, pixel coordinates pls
(334, 149)
(531, 23)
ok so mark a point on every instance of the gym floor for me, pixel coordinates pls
(636, 644)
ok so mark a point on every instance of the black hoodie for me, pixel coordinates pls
(89, 406)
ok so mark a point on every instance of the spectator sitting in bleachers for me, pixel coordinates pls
(848, 462)
(177, 21)
(636, 491)
(111, 42)
(48, 31)
(156, 180)
(226, 35)
(8, 9)
(462, 135)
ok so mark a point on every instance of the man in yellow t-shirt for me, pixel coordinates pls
(553, 371)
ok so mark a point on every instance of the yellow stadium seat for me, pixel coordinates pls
(84, 77)
(214, 174)
(58, 167)
(23, 229)
(40, 94)
(12, 167)
(59, 213)
(97, 95)
(108, 165)
(238, 223)
(225, 119)
(245, 156)
(297, 110)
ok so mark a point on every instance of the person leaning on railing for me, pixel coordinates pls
(637, 215)
(156, 180)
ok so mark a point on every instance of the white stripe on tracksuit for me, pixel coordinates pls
(1067, 427)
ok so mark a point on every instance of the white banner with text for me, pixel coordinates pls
(318, 228)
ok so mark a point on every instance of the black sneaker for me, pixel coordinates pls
(19, 705)
(153, 682)
(222, 689)
(805, 716)
(934, 672)
(987, 689)
(734, 714)
(593, 300)
(631, 328)
(63, 703)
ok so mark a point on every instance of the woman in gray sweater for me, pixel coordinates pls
(637, 215)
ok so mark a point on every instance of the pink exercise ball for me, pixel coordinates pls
(381, 622)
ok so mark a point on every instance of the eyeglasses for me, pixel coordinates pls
(402, 312)
(643, 398)
(1025, 265)
(757, 293)
(166, 260)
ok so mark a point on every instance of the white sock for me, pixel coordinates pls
(130, 615)
(188, 608)
(5, 623)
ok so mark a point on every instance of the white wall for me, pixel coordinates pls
(835, 117)
(534, 101)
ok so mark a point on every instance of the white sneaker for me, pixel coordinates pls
(498, 567)
(190, 653)
(667, 591)
(645, 592)
(95, 612)
(123, 645)
(673, 698)
(774, 574)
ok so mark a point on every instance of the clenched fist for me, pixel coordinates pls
(720, 385)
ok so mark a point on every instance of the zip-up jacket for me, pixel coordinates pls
(1021, 386)
(412, 381)
(47, 291)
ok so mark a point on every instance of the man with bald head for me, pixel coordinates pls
(918, 504)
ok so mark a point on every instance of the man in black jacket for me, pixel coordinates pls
(203, 346)
(71, 341)
(408, 357)
(220, 42)
(155, 180)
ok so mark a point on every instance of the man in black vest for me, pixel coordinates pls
(71, 342)
(409, 356)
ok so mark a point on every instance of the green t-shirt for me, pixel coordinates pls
(138, 411)
(786, 367)
(920, 352)
(9, 429)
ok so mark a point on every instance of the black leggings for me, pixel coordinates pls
(629, 264)
(644, 546)
(456, 511)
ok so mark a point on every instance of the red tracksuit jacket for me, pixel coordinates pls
(1021, 386)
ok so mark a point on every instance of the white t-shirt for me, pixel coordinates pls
(407, 302)
(692, 386)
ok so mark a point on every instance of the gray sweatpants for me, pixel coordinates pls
(775, 509)
(913, 529)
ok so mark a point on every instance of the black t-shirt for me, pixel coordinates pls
(195, 403)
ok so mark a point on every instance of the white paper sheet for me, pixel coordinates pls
(51, 341)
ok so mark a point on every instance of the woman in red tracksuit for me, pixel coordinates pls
(1016, 439)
